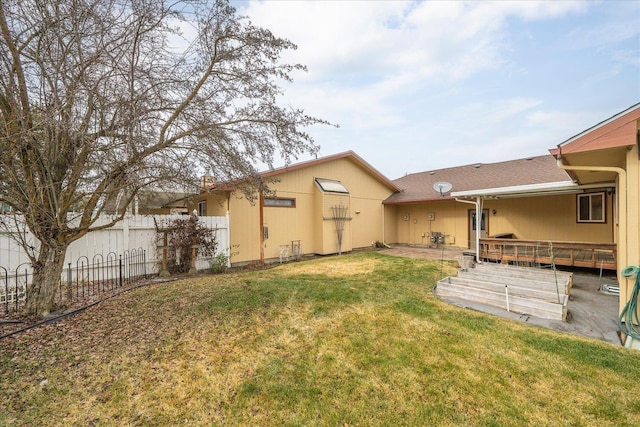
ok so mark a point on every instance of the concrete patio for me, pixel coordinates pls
(592, 313)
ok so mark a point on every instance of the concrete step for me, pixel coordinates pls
(532, 282)
(514, 288)
(525, 272)
(519, 304)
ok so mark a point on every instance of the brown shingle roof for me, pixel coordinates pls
(418, 187)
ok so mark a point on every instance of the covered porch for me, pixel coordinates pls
(546, 252)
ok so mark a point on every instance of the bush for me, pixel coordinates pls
(220, 263)
(184, 234)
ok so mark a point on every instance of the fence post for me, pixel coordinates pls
(6, 290)
(144, 263)
(120, 269)
(69, 283)
(228, 240)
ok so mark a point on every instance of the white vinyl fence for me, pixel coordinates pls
(133, 233)
(102, 260)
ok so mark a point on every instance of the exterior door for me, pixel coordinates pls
(484, 226)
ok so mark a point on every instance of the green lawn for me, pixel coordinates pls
(353, 340)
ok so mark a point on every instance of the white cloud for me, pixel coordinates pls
(422, 85)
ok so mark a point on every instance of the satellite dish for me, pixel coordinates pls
(442, 187)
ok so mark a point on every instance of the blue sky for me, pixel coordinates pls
(417, 86)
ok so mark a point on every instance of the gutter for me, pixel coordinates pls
(621, 191)
(548, 188)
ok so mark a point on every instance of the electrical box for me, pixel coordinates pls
(265, 233)
(431, 216)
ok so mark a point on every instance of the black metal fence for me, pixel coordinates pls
(87, 279)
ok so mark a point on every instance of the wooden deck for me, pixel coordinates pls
(545, 252)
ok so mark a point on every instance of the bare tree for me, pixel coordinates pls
(102, 98)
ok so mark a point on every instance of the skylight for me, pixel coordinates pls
(331, 186)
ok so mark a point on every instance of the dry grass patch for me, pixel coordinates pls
(332, 267)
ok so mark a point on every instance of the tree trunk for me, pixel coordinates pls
(41, 295)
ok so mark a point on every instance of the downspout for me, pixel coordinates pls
(478, 205)
(261, 229)
(621, 192)
(383, 239)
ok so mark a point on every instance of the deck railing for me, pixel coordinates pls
(547, 252)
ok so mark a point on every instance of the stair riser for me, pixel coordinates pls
(548, 286)
(517, 304)
(543, 294)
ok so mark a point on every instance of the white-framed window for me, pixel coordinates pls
(279, 202)
(202, 208)
(591, 207)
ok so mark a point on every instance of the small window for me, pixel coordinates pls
(591, 207)
(331, 186)
(279, 202)
(202, 208)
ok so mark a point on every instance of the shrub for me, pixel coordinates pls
(183, 234)
(219, 263)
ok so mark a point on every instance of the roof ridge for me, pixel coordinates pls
(475, 165)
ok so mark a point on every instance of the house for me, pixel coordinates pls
(323, 206)
(610, 152)
(579, 206)
(528, 201)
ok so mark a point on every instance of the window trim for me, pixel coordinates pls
(589, 197)
(202, 208)
(267, 204)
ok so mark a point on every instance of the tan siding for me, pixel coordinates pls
(305, 222)
(547, 218)
(286, 224)
(317, 224)
(414, 226)
(536, 218)
(367, 220)
(245, 230)
(217, 204)
(329, 226)
(390, 224)
(632, 256)
(365, 191)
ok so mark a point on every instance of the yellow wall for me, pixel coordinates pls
(217, 205)
(329, 238)
(305, 222)
(414, 227)
(390, 223)
(244, 218)
(548, 218)
(631, 256)
(534, 218)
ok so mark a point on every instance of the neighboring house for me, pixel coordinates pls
(328, 205)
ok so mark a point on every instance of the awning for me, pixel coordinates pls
(531, 190)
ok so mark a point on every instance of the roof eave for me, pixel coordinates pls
(347, 154)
